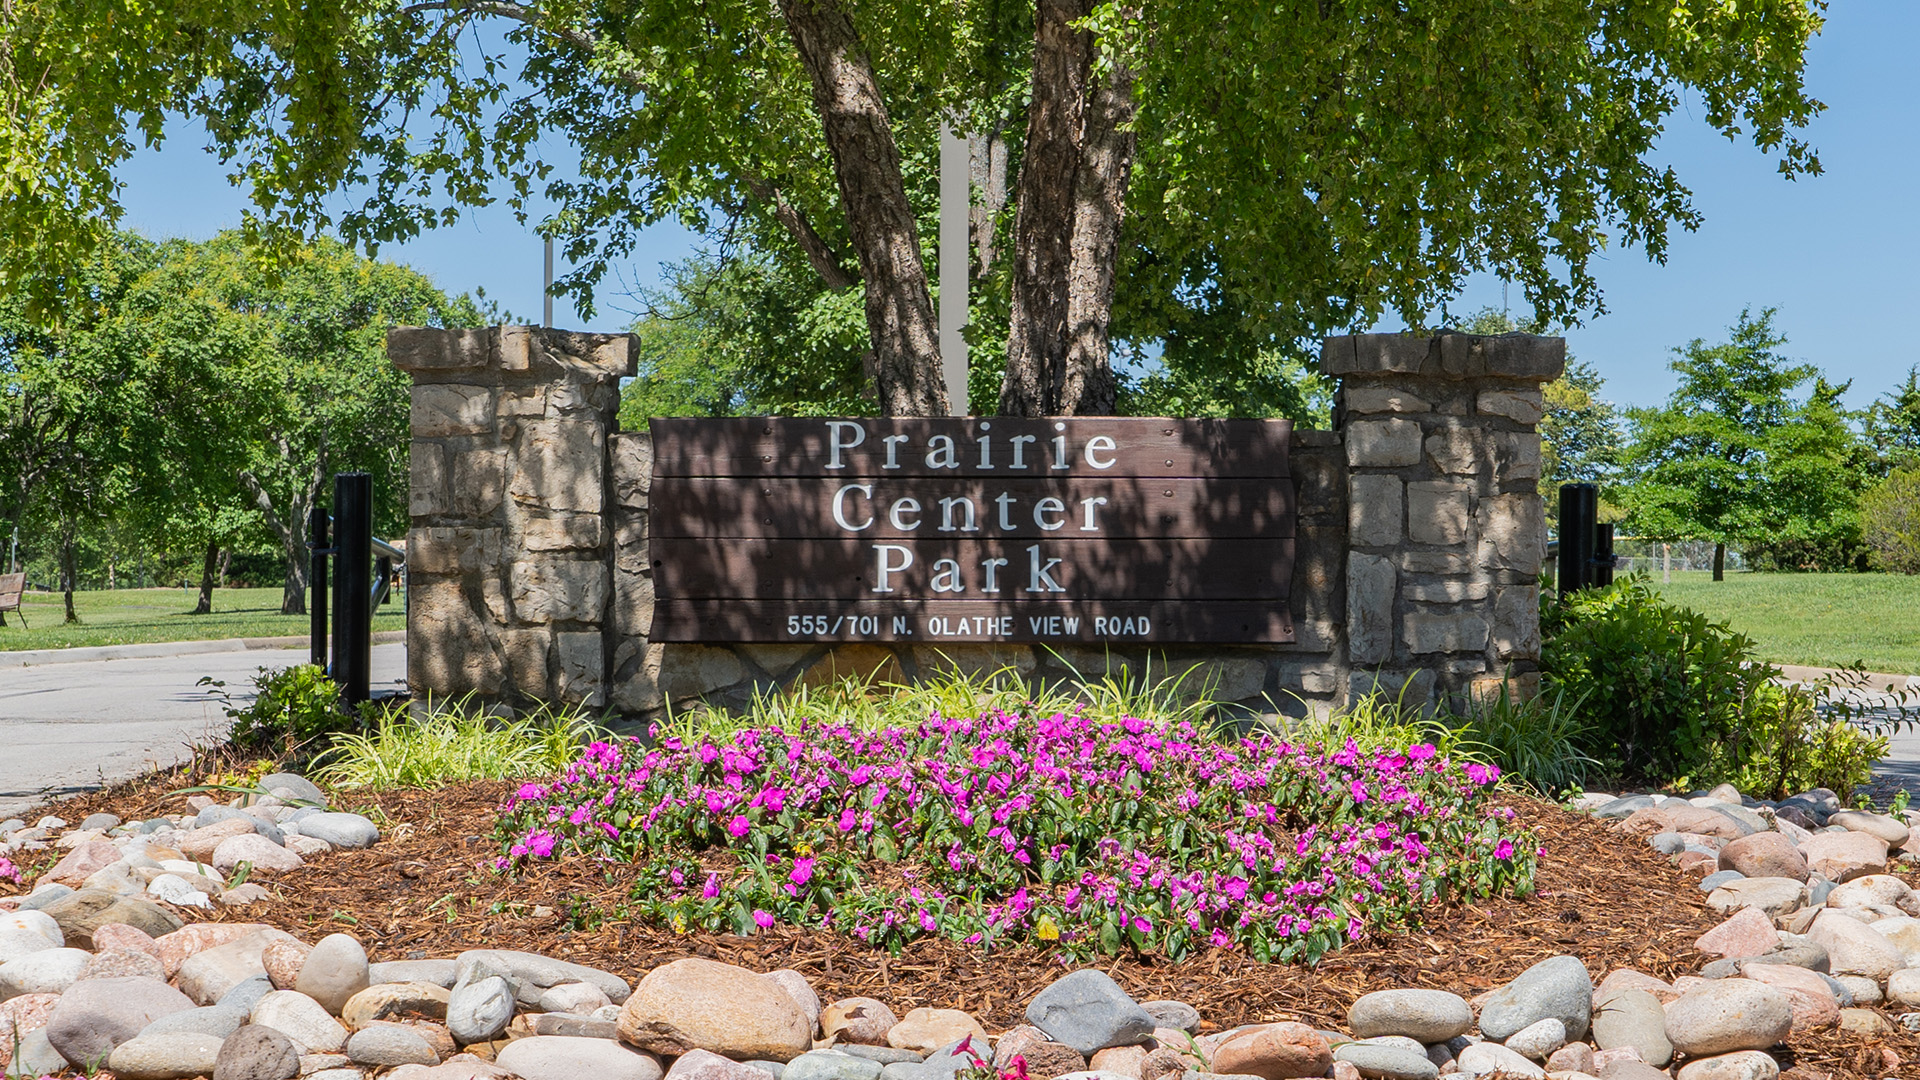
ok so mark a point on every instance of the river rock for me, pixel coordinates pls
(207, 976)
(1276, 1051)
(174, 1056)
(1890, 831)
(705, 1065)
(349, 831)
(1748, 932)
(38, 923)
(123, 963)
(257, 1052)
(541, 971)
(20, 1017)
(797, 987)
(441, 973)
(265, 856)
(857, 1020)
(1486, 1057)
(830, 1065)
(386, 1045)
(1903, 988)
(301, 1019)
(78, 913)
(479, 1010)
(1431, 1016)
(1379, 1062)
(1728, 1015)
(1854, 947)
(584, 1027)
(395, 1001)
(1741, 1065)
(1628, 979)
(292, 788)
(1843, 856)
(1774, 896)
(176, 947)
(1044, 1058)
(582, 999)
(1088, 1011)
(1558, 987)
(1575, 1057)
(703, 1004)
(1537, 1040)
(334, 971)
(83, 862)
(557, 1057)
(49, 971)
(926, 1030)
(1882, 895)
(1815, 1005)
(99, 1014)
(218, 1021)
(1636, 1019)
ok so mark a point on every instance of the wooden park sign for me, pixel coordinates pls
(971, 529)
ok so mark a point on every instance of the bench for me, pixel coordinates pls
(12, 586)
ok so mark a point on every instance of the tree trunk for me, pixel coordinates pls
(208, 567)
(1106, 161)
(904, 361)
(1719, 561)
(68, 572)
(290, 531)
(1043, 211)
(987, 169)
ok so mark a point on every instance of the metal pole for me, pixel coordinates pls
(546, 289)
(955, 197)
(353, 588)
(1603, 555)
(13, 549)
(1579, 505)
(317, 581)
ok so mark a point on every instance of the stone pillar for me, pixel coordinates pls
(1446, 528)
(510, 555)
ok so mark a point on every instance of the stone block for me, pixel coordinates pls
(453, 409)
(632, 604)
(1521, 687)
(529, 664)
(1383, 444)
(563, 532)
(1372, 354)
(1506, 356)
(631, 463)
(630, 550)
(1517, 459)
(1412, 688)
(1524, 406)
(971, 661)
(1451, 591)
(1516, 622)
(494, 596)
(1454, 450)
(1435, 562)
(452, 550)
(1317, 634)
(1438, 512)
(863, 663)
(1383, 399)
(1434, 633)
(1374, 515)
(777, 660)
(479, 481)
(557, 465)
(578, 397)
(1370, 588)
(1318, 556)
(514, 348)
(523, 402)
(582, 668)
(559, 590)
(1513, 533)
(429, 348)
(426, 480)
(1319, 484)
(450, 650)
(676, 673)
(1222, 678)
(585, 355)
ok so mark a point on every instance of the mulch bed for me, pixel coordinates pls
(423, 891)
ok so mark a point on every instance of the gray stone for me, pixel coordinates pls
(301, 1019)
(34, 1057)
(1559, 987)
(1383, 444)
(557, 1057)
(1633, 1018)
(208, 976)
(1088, 1011)
(1370, 588)
(292, 788)
(1431, 1016)
(1729, 1015)
(1174, 1015)
(99, 1014)
(1741, 816)
(103, 822)
(545, 972)
(1718, 878)
(388, 1045)
(44, 894)
(1486, 1057)
(334, 971)
(1537, 1040)
(1623, 807)
(256, 1052)
(349, 831)
(247, 993)
(78, 913)
(1375, 516)
(171, 1056)
(47, 971)
(580, 1027)
(829, 1065)
(885, 1055)
(1464, 632)
(441, 973)
(219, 1021)
(480, 1010)
(1438, 512)
(1797, 951)
(1378, 1062)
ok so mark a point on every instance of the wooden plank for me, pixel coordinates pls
(821, 569)
(880, 507)
(937, 622)
(983, 446)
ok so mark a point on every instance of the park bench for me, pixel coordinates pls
(12, 587)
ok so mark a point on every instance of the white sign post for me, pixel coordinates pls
(954, 199)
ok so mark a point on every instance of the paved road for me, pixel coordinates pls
(71, 727)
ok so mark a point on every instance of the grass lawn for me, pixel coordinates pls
(138, 616)
(1825, 620)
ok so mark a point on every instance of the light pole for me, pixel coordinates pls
(546, 290)
(955, 196)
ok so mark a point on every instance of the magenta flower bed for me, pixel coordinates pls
(1090, 837)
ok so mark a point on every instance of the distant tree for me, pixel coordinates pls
(1735, 458)
(1893, 425)
(1890, 520)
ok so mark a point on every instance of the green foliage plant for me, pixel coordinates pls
(292, 710)
(452, 742)
(1890, 517)
(1786, 745)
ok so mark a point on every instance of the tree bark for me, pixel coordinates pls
(987, 159)
(208, 566)
(1719, 561)
(1106, 162)
(293, 595)
(68, 571)
(820, 255)
(904, 361)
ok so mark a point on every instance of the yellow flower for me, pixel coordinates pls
(1046, 929)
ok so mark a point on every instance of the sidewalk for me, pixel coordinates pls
(160, 649)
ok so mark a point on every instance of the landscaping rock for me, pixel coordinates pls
(1748, 932)
(1045, 1059)
(22, 1016)
(1537, 1040)
(441, 973)
(1882, 895)
(699, 1064)
(1558, 987)
(1125, 1061)
(122, 963)
(1854, 947)
(292, 787)
(1636, 1019)
(1893, 833)
(207, 976)
(174, 948)
(395, 1001)
(1843, 856)
(1088, 1011)
(1741, 1065)
(798, 988)
(1377, 1062)
(174, 1056)
(1431, 1016)
(557, 1057)
(545, 972)
(1729, 1015)
(49, 971)
(927, 1031)
(265, 856)
(1177, 1015)
(584, 1027)
(1274, 1052)
(301, 1019)
(82, 862)
(695, 1004)
(1575, 1057)
(35, 1056)
(1775, 896)
(832, 1065)
(79, 913)
(1903, 988)
(257, 1053)
(582, 999)
(1795, 950)
(350, 831)
(1815, 1005)
(387, 1045)
(334, 971)
(479, 1010)
(218, 1021)
(1486, 1057)
(99, 1014)
(857, 1020)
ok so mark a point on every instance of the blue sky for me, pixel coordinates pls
(1832, 252)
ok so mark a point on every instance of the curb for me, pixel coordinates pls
(161, 649)
(1873, 681)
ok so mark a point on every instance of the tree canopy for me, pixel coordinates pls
(1220, 177)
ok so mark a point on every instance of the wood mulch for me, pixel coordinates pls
(424, 891)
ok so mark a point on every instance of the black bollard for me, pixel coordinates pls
(353, 585)
(1579, 509)
(317, 585)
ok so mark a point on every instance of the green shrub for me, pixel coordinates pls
(1785, 746)
(452, 744)
(1890, 518)
(292, 708)
(1539, 742)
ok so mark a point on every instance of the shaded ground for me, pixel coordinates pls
(421, 892)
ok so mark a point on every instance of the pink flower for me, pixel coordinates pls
(712, 888)
(1503, 850)
(762, 919)
(1143, 924)
(802, 871)
(738, 827)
